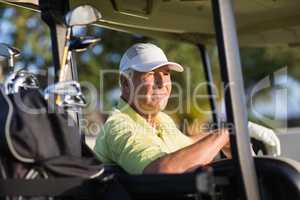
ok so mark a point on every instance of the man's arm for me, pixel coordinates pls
(226, 149)
(198, 137)
(200, 153)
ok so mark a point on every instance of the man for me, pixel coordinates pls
(140, 138)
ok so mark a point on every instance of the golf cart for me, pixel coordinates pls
(242, 177)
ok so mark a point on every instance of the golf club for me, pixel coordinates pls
(80, 16)
(16, 79)
(9, 53)
(69, 95)
(20, 79)
(82, 43)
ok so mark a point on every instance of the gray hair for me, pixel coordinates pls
(128, 73)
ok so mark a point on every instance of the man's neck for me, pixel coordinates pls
(150, 118)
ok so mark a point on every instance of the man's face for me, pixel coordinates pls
(151, 90)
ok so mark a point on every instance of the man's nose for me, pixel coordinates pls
(159, 80)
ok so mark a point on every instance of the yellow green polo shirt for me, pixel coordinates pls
(128, 140)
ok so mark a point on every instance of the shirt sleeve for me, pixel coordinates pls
(131, 149)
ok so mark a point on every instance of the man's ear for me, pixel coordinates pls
(124, 81)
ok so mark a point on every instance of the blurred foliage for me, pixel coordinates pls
(24, 29)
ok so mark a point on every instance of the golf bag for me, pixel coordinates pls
(36, 144)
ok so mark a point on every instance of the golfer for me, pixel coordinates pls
(140, 138)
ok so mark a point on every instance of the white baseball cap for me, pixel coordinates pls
(145, 57)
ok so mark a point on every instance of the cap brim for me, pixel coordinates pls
(152, 66)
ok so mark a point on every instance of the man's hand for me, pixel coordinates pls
(227, 150)
(267, 136)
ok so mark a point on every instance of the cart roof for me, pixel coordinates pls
(259, 22)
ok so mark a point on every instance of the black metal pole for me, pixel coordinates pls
(79, 114)
(209, 79)
(235, 97)
(52, 12)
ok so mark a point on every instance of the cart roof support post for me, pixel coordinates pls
(53, 12)
(235, 96)
(210, 83)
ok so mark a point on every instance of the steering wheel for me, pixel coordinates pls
(258, 147)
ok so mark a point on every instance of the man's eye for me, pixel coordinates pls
(149, 74)
(167, 73)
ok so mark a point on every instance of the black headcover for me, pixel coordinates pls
(33, 136)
